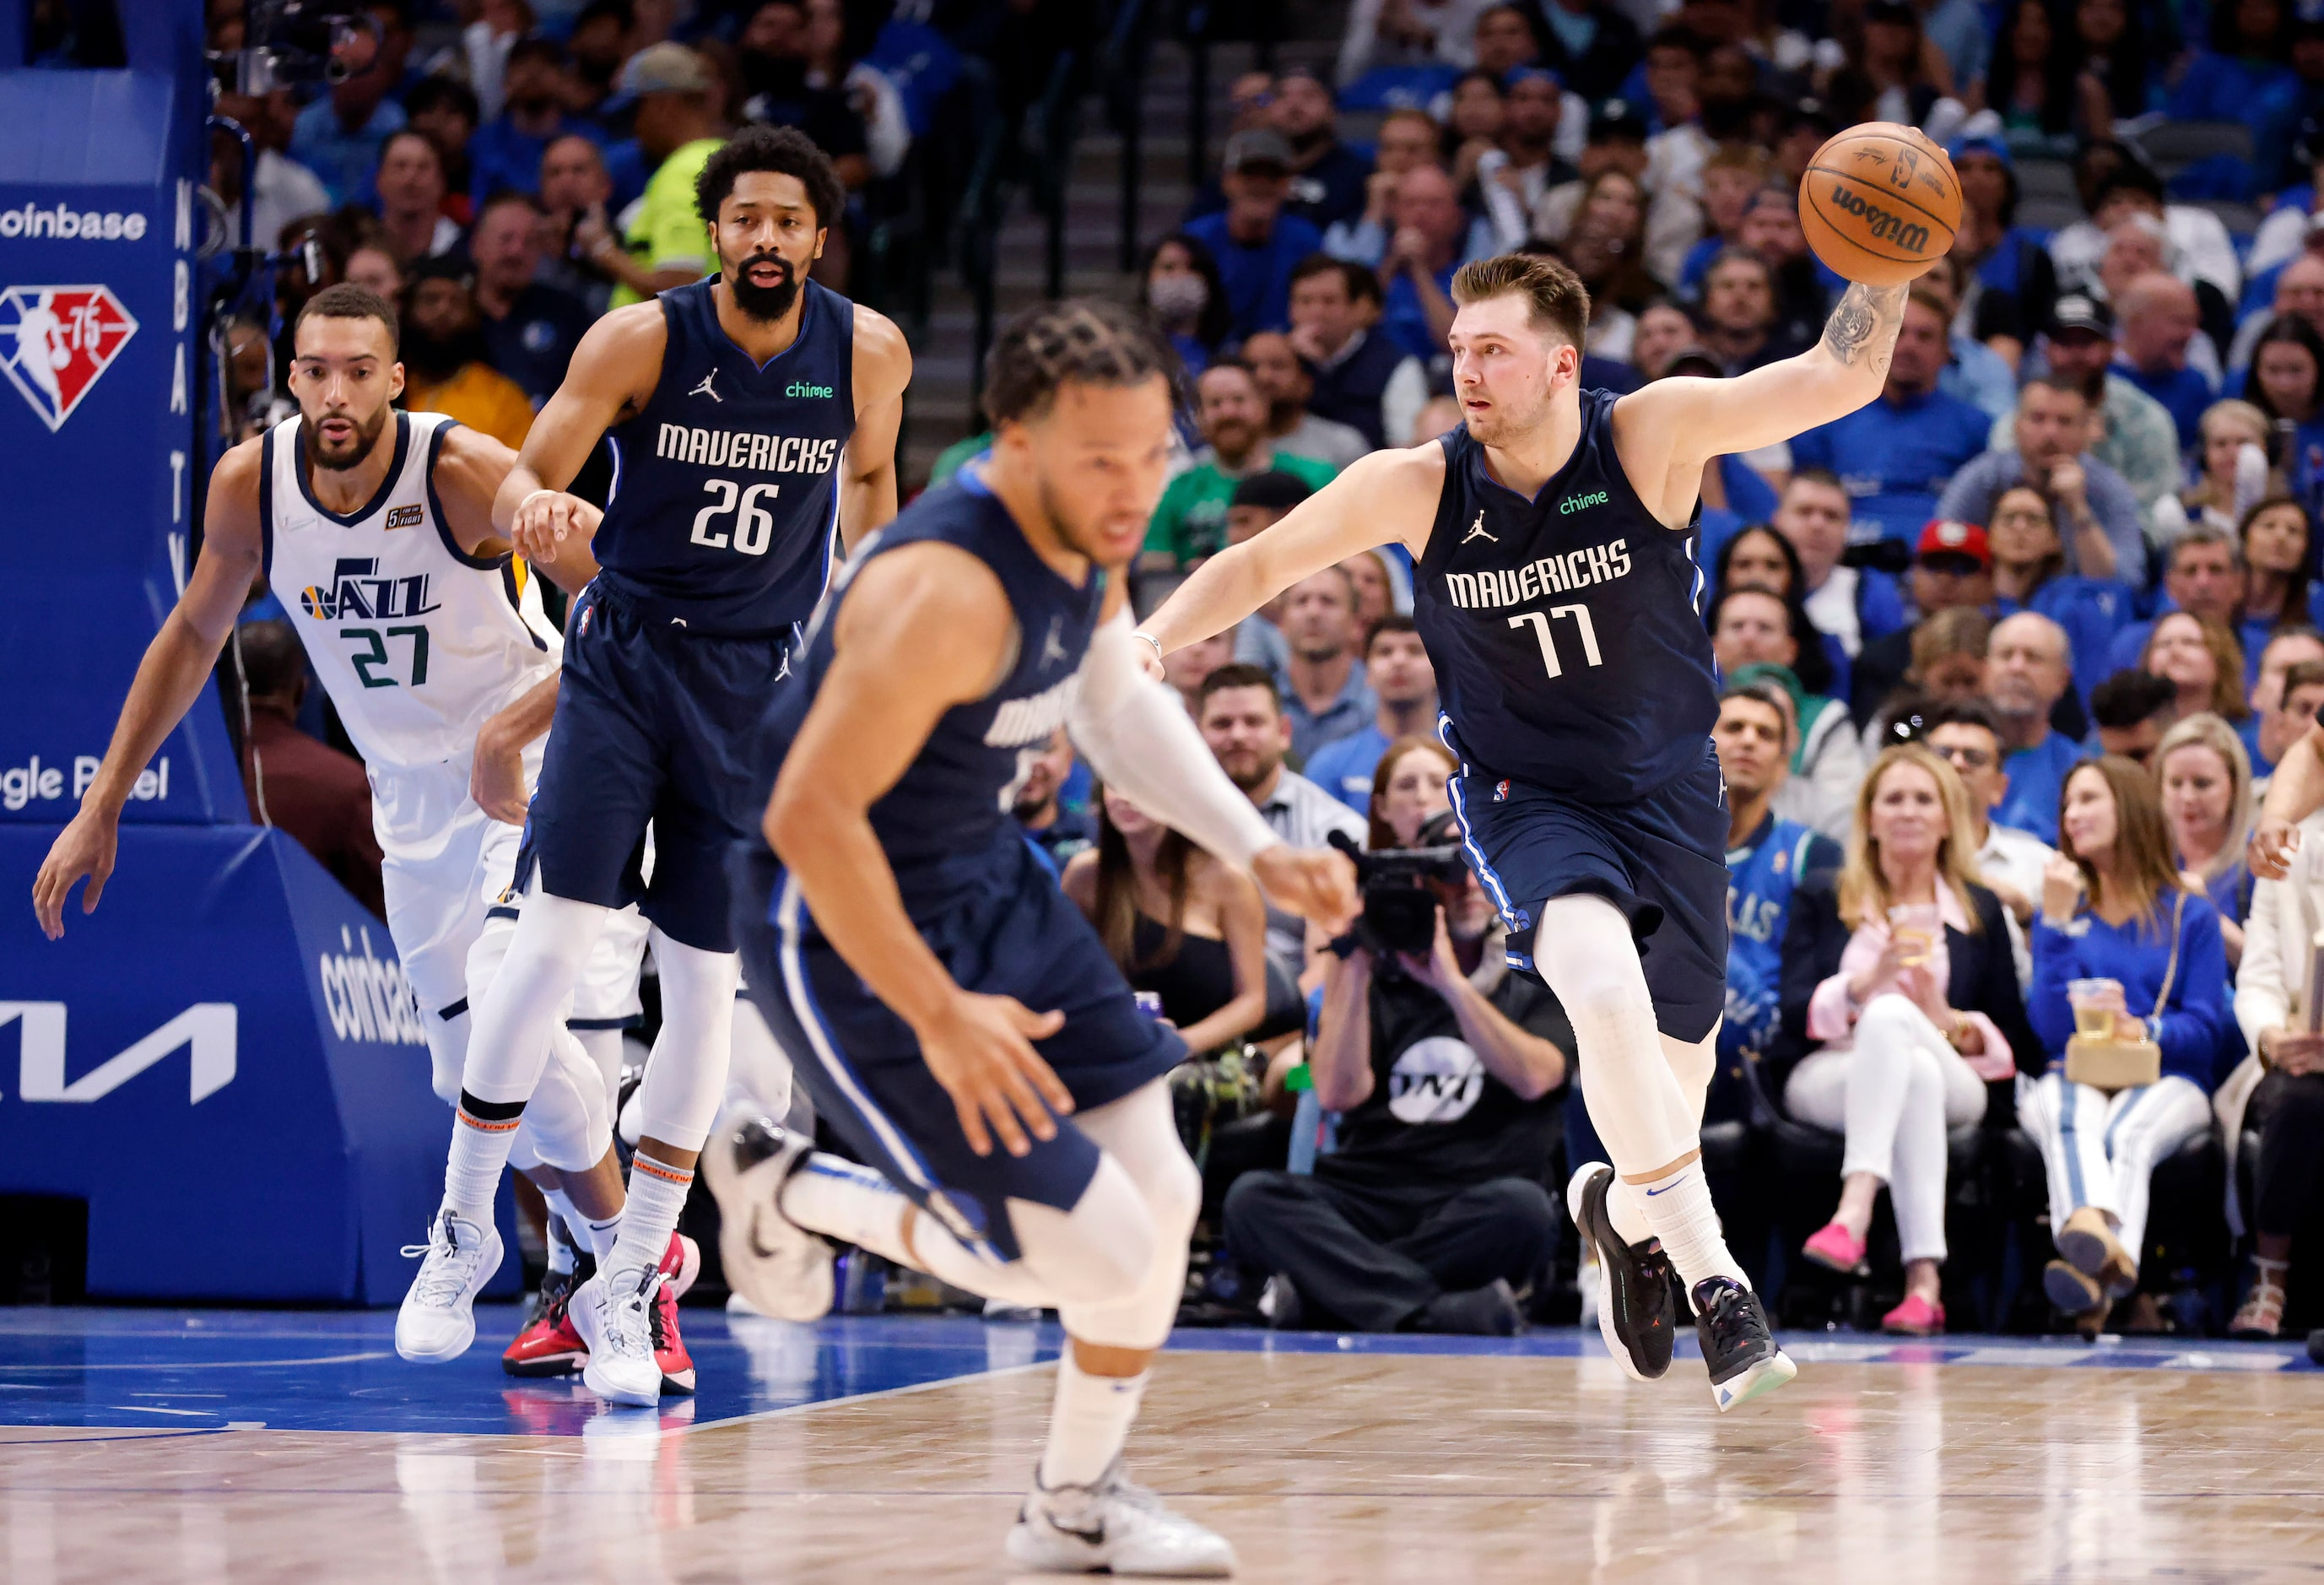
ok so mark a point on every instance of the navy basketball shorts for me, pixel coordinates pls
(1014, 934)
(656, 725)
(1661, 860)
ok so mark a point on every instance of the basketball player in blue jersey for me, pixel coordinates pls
(1555, 590)
(954, 1015)
(750, 415)
(375, 527)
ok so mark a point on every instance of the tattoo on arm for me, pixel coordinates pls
(1863, 328)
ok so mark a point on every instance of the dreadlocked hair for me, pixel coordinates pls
(1084, 340)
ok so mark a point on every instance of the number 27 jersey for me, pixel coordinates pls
(1568, 642)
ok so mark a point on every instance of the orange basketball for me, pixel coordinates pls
(1880, 204)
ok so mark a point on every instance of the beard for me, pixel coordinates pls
(1504, 425)
(340, 459)
(1081, 537)
(764, 303)
(439, 357)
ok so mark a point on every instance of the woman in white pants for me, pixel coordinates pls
(1903, 971)
(2113, 907)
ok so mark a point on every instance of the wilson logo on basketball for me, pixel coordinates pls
(1882, 226)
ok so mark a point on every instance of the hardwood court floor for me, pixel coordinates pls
(1339, 1464)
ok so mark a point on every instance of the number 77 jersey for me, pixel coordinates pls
(416, 641)
(1566, 631)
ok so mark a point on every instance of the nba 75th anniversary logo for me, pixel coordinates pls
(56, 340)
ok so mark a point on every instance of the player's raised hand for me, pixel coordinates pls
(1312, 882)
(86, 847)
(2272, 847)
(547, 518)
(981, 1050)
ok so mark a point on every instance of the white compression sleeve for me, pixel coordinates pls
(1138, 738)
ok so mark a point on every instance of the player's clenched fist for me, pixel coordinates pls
(547, 518)
(1312, 883)
(981, 1050)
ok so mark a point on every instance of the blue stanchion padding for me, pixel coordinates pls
(226, 1062)
(98, 386)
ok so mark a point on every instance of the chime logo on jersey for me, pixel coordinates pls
(357, 590)
(56, 340)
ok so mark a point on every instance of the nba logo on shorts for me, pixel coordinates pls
(1501, 792)
(56, 340)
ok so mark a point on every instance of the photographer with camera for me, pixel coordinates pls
(1447, 1071)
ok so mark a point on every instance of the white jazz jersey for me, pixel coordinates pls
(417, 642)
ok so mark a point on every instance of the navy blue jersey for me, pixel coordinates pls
(1569, 649)
(941, 820)
(725, 483)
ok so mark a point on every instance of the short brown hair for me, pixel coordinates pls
(2305, 673)
(1381, 834)
(1555, 295)
(1239, 674)
(348, 300)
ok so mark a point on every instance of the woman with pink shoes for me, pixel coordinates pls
(1899, 985)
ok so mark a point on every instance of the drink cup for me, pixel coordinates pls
(2097, 1003)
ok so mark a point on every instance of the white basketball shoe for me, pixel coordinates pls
(438, 1320)
(779, 1266)
(616, 1320)
(1113, 1525)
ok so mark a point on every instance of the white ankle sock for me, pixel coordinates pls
(1679, 1208)
(482, 1133)
(1627, 1211)
(657, 1195)
(601, 1236)
(563, 1221)
(1088, 1422)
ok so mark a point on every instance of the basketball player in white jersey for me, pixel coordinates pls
(1589, 793)
(375, 526)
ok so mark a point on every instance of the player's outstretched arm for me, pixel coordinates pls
(1138, 738)
(168, 681)
(1676, 423)
(883, 367)
(471, 466)
(1387, 496)
(2294, 792)
(920, 629)
(613, 373)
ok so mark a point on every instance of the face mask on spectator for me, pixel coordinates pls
(1173, 296)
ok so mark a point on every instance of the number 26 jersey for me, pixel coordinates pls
(1567, 638)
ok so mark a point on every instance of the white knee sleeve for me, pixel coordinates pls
(568, 1123)
(1097, 1253)
(517, 1011)
(760, 1071)
(685, 1078)
(447, 1054)
(1140, 1133)
(1583, 950)
(1693, 1066)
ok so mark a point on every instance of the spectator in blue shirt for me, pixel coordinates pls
(529, 329)
(2053, 432)
(339, 136)
(443, 110)
(1404, 681)
(1255, 244)
(1416, 269)
(1326, 697)
(2286, 383)
(2157, 318)
(2245, 77)
(2016, 282)
(1854, 605)
(2027, 670)
(2279, 584)
(2029, 562)
(1896, 455)
(2204, 577)
(2113, 908)
(506, 151)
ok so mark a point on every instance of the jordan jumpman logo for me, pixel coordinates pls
(1476, 530)
(705, 387)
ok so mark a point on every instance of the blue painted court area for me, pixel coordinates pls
(157, 1371)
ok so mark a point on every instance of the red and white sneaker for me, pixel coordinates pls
(549, 1346)
(680, 1264)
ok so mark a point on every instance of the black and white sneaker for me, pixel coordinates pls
(1737, 1344)
(782, 1269)
(1634, 1280)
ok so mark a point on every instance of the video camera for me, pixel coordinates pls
(288, 42)
(1399, 912)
